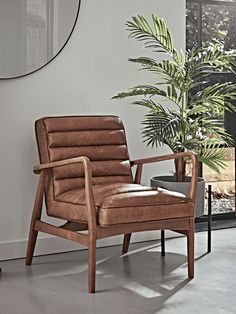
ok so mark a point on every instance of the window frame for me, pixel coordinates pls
(230, 118)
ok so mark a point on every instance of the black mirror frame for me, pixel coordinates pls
(23, 75)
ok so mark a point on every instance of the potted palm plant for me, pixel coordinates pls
(184, 109)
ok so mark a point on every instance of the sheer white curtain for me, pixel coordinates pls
(39, 26)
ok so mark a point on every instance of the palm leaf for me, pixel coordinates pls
(169, 72)
(193, 125)
(160, 127)
(141, 90)
(209, 59)
(213, 155)
(149, 90)
(155, 36)
(149, 103)
(218, 95)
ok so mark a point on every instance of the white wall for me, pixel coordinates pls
(81, 80)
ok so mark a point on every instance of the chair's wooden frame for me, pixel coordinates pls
(70, 230)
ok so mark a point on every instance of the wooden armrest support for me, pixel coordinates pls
(192, 191)
(88, 181)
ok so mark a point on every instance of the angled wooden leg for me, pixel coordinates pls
(91, 265)
(31, 244)
(126, 242)
(190, 244)
(36, 215)
(163, 252)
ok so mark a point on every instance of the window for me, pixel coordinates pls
(210, 21)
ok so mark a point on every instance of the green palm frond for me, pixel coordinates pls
(184, 80)
(148, 90)
(218, 96)
(208, 59)
(160, 127)
(175, 145)
(209, 128)
(167, 71)
(144, 61)
(156, 36)
(212, 155)
(180, 58)
(224, 138)
(142, 90)
(149, 103)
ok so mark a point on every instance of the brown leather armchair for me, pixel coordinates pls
(85, 174)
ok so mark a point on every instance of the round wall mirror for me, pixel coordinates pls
(33, 32)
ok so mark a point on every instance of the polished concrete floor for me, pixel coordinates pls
(141, 282)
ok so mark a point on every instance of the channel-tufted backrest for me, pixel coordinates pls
(100, 138)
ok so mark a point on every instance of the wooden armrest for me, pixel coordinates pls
(193, 186)
(88, 181)
(83, 159)
(149, 160)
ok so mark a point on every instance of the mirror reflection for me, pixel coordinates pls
(32, 32)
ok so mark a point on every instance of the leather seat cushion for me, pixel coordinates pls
(122, 203)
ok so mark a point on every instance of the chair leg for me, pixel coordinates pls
(190, 244)
(36, 215)
(91, 265)
(126, 242)
(31, 244)
(163, 253)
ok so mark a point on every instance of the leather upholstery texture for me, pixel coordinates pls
(118, 200)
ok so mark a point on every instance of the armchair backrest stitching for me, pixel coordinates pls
(101, 138)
